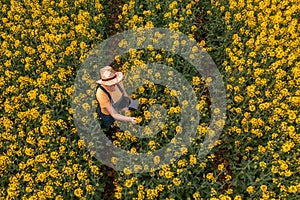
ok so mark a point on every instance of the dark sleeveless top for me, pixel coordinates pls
(123, 102)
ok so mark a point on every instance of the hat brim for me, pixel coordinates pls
(118, 79)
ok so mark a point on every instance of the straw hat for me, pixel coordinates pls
(109, 76)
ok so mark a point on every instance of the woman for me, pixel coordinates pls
(112, 97)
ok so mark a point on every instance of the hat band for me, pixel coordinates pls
(108, 79)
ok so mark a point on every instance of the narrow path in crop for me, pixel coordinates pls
(205, 33)
(114, 9)
(109, 188)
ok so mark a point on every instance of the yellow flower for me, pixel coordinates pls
(262, 164)
(237, 197)
(128, 183)
(224, 197)
(118, 195)
(59, 197)
(274, 169)
(189, 12)
(283, 165)
(156, 160)
(151, 193)
(178, 129)
(184, 150)
(44, 98)
(252, 108)
(137, 168)
(250, 189)
(293, 189)
(173, 5)
(261, 149)
(221, 167)
(80, 143)
(48, 190)
(82, 175)
(287, 146)
(160, 187)
(123, 43)
(288, 173)
(213, 191)
(149, 24)
(114, 160)
(133, 150)
(264, 188)
(210, 176)
(33, 197)
(176, 181)
(196, 196)
(203, 165)
(174, 11)
(32, 94)
(78, 192)
(127, 171)
(196, 80)
(193, 159)
(170, 60)
(29, 151)
(94, 169)
(90, 189)
(169, 174)
(182, 163)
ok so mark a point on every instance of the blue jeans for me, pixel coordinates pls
(106, 120)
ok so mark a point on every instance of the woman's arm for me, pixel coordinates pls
(119, 117)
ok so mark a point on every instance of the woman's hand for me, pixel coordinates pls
(119, 117)
(133, 120)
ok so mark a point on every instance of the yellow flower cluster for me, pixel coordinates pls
(261, 72)
(41, 44)
(261, 66)
(255, 44)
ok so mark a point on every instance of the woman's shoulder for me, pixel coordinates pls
(100, 92)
